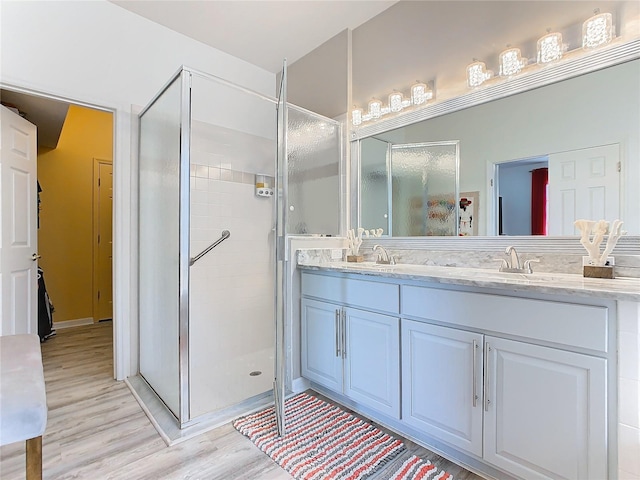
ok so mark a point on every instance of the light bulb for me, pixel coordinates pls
(395, 102)
(420, 93)
(511, 62)
(356, 116)
(477, 74)
(375, 108)
(550, 48)
(597, 30)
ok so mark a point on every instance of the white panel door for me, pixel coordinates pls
(371, 351)
(585, 184)
(442, 383)
(545, 411)
(18, 265)
(321, 343)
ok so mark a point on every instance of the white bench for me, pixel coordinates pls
(23, 402)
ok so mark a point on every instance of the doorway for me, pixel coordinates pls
(69, 203)
(75, 155)
(514, 195)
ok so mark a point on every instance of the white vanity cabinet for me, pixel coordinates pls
(442, 383)
(518, 380)
(371, 352)
(535, 411)
(545, 411)
(350, 350)
(321, 357)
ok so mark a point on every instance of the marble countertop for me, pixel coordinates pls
(621, 288)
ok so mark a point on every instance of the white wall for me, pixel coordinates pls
(98, 53)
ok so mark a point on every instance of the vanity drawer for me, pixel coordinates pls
(574, 325)
(360, 293)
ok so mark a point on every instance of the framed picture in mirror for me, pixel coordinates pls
(468, 214)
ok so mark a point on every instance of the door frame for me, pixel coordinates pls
(122, 226)
(493, 180)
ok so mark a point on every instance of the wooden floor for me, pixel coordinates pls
(96, 430)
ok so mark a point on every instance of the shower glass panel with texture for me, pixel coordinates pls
(159, 243)
(313, 152)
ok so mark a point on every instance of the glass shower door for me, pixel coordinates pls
(159, 244)
(424, 189)
(281, 221)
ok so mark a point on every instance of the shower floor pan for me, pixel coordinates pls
(167, 425)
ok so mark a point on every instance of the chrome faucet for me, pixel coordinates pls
(513, 266)
(383, 256)
(515, 261)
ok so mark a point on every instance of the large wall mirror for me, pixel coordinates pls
(582, 132)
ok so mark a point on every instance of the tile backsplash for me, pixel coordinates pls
(626, 265)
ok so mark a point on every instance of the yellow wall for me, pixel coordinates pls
(65, 237)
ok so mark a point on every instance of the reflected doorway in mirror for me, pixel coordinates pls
(468, 214)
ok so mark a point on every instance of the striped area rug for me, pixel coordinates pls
(322, 441)
(417, 469)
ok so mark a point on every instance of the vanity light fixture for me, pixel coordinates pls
(597, 30)
(420, 95)
(477, 73)
(511, 62)
(550, 47)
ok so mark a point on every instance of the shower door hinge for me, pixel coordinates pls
(491, 182)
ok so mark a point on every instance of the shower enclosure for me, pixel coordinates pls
(212, 320)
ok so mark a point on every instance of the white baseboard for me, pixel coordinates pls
(300, 385)
(73, 323)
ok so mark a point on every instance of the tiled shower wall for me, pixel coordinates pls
(231, 288)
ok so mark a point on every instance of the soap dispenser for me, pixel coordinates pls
(263, 186)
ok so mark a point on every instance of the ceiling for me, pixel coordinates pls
(47, 114)
(262, 33)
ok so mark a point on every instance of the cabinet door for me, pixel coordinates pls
(372, 360)
(441, 375)
(321, 356)
(545, 411)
